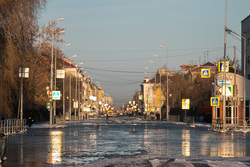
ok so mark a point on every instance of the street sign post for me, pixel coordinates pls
(60, 73)
(140, 97)
(229, 90)
(215, 101)
(205, 73)
(223, 66)
(185, 104)
(56, 95)
(223, 83)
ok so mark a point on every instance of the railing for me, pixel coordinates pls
(11, 126)
(217, 124)
(174, 118)
(230, 123)
(189, 120)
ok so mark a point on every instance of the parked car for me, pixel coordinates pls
(102, 115)
(110, 113)
(92, 114)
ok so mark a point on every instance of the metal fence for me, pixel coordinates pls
(230, 124)
(188, 120)
(174, 118)
(11, 126)
(217, 124)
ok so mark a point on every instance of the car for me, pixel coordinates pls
(102, 115)
(92, 114)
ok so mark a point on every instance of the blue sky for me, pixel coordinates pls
(112, 36)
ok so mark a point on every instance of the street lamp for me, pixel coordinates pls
(166, 80)
(244, 76)
(154, 85)
(64, 85)
(70, 88)
(60, 32)
(51, 69)
(79, 94)
(76, 90)
(160, 80)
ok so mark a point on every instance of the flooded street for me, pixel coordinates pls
(83, 143)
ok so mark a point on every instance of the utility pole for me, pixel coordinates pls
(235, 91)
(167, 116)
(224, 68)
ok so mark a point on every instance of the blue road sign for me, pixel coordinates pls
(205, 73)
(223, 66)
(215, 101)
(56, 95)
(222, 83)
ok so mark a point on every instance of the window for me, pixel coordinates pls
(218, 113)
(228, 111)
(247, 111)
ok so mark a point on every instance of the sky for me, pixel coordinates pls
(116, 39)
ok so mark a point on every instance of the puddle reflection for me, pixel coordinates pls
(229, 145)
(56, 147)
(85, 144)
(186, 142)
(195, 143)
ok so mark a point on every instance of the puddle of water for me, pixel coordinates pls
(80, 144)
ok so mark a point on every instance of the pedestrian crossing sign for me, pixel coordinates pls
(223, 66)
(215, 101)
(205, 73)
(56, 95)
(185, 104)
(229, 90)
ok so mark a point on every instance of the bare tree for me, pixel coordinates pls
(17, 20)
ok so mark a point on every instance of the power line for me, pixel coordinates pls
(131, 72)
(143, 59)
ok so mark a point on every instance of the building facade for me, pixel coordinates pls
(245, 32)
(152, 92)
(83, 96)
(234, 99)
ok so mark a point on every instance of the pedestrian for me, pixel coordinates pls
(107, 116)
(157, 116)
(30, 119)
(2, 148)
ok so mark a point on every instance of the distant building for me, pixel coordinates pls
(245, 32)
(153, 91)
(89, 97)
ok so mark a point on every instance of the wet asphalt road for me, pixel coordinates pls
(83, 143)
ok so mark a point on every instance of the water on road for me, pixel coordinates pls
(84, 143)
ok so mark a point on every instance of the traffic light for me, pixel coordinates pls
(49, 93)
(48, 105)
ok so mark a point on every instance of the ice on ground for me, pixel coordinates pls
(160, 161)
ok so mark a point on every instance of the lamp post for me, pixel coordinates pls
(160, 80)
(154, 86)
(79, 94)
(146, 100)
(244, 76)
(70, 89)
(64, 86)
(166, 81)
(224, 73)
(51, 69)
(60, 32)
(76, 90)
